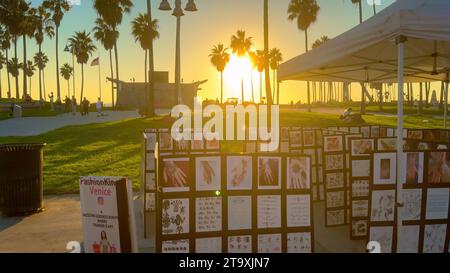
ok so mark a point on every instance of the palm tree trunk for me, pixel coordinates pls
(112, 74)
(253, 92)
(278, 92)
(1, 89)
(441, 99)
(82, 82)
(117, 71)
(68, 88)
(260, 87)
(421, 99)
(242, 88)
(25, 88)
(274, 85)
(374, 8)
(360, 12)
(221, 86)
(380, 99)
(73, 77)
(266, 52)
(58, 86)
(43, 84)
(17, 68)
(427, 93)
(146, 83)
(7, 74)
(30, 87)
(307, 83)
(40, 76)
(151, 110)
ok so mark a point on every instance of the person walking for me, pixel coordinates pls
(85, 107)
(74, 105)
(99, 106)
(51, 97)
(67, 104)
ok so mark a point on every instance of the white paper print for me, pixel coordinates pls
(437, 203)
(150, 202)
(299, 242)
(362, 147)
(360, 168)
(175, 216)
(269, 172)
(385, 168)
(334, 162)
(335, 199)
(177, 246)
(335, 217)
(284, 147)
(269, 211)
(176, 174)
(413, 165)
(295, 138)
(150, 162)
(298, 173)
(208, 214)
(240, 244)
(312, 153)
(165, 141)
(298, 210)
(269, 243)
(207, 173)
(208, 245)
(150, 182)
(359, 228)
(360, 208)
(239, 212)
(434, 238)
(408, 239)
(239, 172)
(309, 138)
(334, 180)
(382, 235)
(387, 144)
(360, 188)
(383, 203)
(333, 144)
(412, 202)
(151, 141)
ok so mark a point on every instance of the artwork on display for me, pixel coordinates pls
(319, 157)
(438, 167)
(335, 217)
(240, 244)
(387, 144)
(207, 173)
(182, 145)
(360, 208)
(362, 147)
(334, 180)
(309, 138)
(250, 147)
(175, 246)
(360, 168)
(359, 228)
(208, 214)
(382, 235)
(383, 202)
(312, 153)
(413, 164)
(354, 130)
(175, 216)
(295, 138)
(375, 131)
(334, 162)
(298, 210)
(298, 173)
(390, 132)
(151, 141)
(360, 188)
(208, 245)
(239, 212)
(299, 242)
(150, 201)
(437, 203)
(434, 238)
(385, 168)
(313, 175)
(335, 199)
(415, 134)
(212, 144)
(197, 145)
(412, 202)
(165, 141)
(365, 131)
(269, 173)
(284, 134)
(176, 174)
(150, 182)
(269, 243)
(284, 147)
(269, 211)
(150, 162)
(333, 144)
(239, 173)
(408, 239)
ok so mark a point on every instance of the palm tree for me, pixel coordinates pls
(254, 61)
(359, 3)
(240, 45)
(2, 63)
(44, 26)
(13, 69)
(261, 61)
(304, 12)
(266, 52)
(275, 58)
(145, 32)
(5, 44)
(107, 37)
(219, 59)
(322, 40)
(83, 47)
(13, 17)
(29, 72)
(112, 11)
(41, 60)
(28, 31)
(56, 9)
(66, 72)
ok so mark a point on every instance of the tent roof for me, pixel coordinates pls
(368, 52)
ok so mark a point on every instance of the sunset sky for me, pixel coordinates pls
(214, 23)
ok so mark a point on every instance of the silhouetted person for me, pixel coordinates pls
(74, 105)
(85, 107)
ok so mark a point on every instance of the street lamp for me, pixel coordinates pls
(178, 12)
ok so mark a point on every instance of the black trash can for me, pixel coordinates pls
(21, 179)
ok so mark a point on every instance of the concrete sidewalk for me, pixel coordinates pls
(60, 223)
(38, 125)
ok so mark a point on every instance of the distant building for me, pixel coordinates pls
(131, 95)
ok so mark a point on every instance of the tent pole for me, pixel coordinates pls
(400, 158)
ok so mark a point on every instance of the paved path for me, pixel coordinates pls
(38, 125)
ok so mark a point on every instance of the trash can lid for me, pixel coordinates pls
(21, 146)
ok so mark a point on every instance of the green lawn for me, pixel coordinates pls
(114, 149)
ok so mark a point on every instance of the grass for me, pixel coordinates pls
(114, 148)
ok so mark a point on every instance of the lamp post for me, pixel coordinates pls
(68, 49)
(178, 12)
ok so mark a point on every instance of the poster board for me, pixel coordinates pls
(238, 209)
(108, 215)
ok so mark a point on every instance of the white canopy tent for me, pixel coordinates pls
(408, 41)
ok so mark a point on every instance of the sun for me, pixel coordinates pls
(238, 68)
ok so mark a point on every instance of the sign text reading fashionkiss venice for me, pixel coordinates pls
(208, 123)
